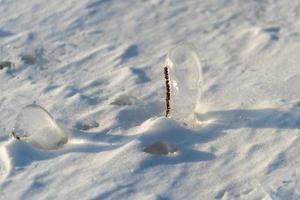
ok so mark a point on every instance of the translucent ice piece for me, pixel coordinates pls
(185, 79)
(35, 125)
(161, 148)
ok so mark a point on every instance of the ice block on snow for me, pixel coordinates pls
(185, 82)
(35, 125)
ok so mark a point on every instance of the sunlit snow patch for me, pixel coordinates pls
(35, 125)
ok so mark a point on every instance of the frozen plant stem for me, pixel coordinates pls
(168, 91)
(35, 125)
(15, 135)
(182, 70)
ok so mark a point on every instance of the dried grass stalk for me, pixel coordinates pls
(13, 133)
(168, 91)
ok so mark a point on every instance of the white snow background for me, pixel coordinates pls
(101, 62)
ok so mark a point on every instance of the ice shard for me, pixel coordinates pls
(35, 125)
(185, 82)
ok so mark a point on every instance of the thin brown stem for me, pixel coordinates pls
(168, 91)
(15, 135)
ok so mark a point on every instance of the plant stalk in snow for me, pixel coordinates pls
(168, 91)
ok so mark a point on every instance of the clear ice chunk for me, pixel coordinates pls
(185, 80)
(35, 125)
(161, 148)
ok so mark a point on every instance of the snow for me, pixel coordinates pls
(101, 62)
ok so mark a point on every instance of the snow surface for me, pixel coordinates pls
(100, 62)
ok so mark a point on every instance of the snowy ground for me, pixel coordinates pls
(100, 61)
